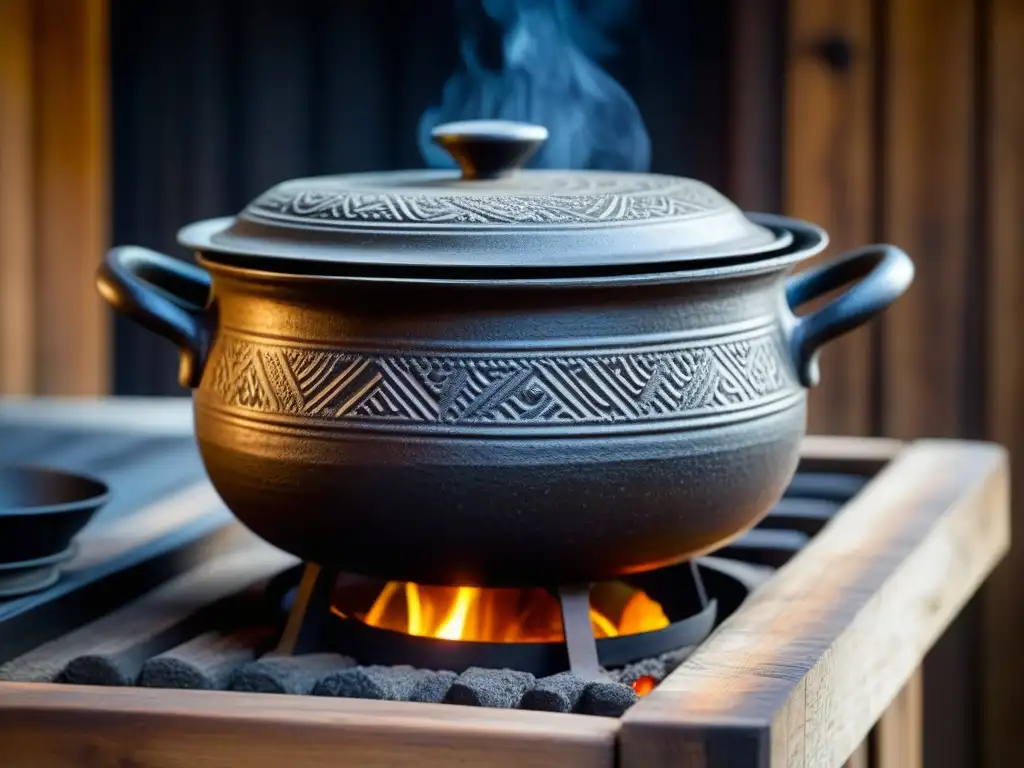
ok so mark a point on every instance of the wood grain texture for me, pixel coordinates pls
(799, 676)
(182, 729)
(103, 542)
(756, 121)
(53, 196)
(929, 356)
(830, 178)
(170, 615)
(898, 735)
(17, 313)
(1003, 667)
(71, 206)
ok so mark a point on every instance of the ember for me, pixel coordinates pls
(644, 685)
(505, 615)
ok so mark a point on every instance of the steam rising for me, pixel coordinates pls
(547, 77)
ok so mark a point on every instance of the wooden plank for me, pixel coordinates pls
(71, 204)
(830, 175)
(17, 313)
(103, 542)
(149, 415)
(929, 351)
(898, 735)
(861, 757)
(53, 726)
(859, 455)
(171, 614)
(800, 675)
(1003, 667)
(756, 121)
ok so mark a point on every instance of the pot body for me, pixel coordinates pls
(452, 436)
(498, 434)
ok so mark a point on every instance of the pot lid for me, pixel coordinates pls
(491, 213)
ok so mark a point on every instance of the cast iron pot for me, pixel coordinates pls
(505, 378)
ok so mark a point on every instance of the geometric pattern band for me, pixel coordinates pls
(675, 381)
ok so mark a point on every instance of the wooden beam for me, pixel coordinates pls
(800, 675)
(861, 757)
(898, 735)
(175, 729)
(17, 275)
(756, 119)
(830, 175)
(929, 197)
(72, 208)
(54, 211)
(1002, 666)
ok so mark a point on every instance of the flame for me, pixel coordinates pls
(504, 615)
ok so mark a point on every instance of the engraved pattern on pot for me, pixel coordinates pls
(692, 380)
(579, 200)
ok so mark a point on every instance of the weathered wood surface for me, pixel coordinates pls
(183, 729)
(799, 676)
(916, 139)
(170, 615)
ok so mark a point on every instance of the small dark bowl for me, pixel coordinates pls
(41, 510)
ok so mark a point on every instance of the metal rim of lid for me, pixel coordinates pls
(489, 214)
(807, 240)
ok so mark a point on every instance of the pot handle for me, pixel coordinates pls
(880, 274)
(166, 295)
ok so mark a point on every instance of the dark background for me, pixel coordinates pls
(212, 106)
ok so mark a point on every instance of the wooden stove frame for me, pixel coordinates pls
(820, 667)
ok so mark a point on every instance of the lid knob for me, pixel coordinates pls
(489, 149)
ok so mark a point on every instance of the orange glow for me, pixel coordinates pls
(504, 615)
(644, 685)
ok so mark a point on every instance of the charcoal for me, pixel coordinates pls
(658, 667)
(557, 693)
(654, 667)
(433, 687)
(110, 653)
(498, 688)
(286, 674)
(380, 683)
(103, 669)
(606, 699)
(674, 659)
(204, 663)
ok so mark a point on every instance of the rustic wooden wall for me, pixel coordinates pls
(54, 168)
(1002, 224)
(904, 123)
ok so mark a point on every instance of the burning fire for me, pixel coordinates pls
(505, 615)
